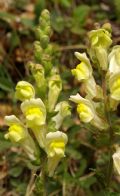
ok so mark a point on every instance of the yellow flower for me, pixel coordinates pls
(116, 160)
(85, 108)
(34, 111)
(114, 86)
(83, 70)
(18, 133)
(87, 112)
(100, 38)
(16, 130)
(114, 60)
(24, 91)
(55, 148)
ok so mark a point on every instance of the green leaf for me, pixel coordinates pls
(14, 40)
(7, 16)
(87, 181)
(78, 20)
(27, 22)
(57, 22)
(15, 171)
(80, 13)
(82, 167)
(39, 6)
(73, 153)
(65, 3)
(4, 144)
(6, 83)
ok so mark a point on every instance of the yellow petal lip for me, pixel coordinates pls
(16, 131)
(35, 105)
(85, 113)
(84, 69)
(81, 72)
(55, 144)
(34, 111)
(56, 136)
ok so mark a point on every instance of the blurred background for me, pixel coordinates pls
(71, 20)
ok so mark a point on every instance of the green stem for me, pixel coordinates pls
(43, 174)
(110, 166)
(110, 132)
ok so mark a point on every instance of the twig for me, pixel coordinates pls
(31, 184)
(72, 47)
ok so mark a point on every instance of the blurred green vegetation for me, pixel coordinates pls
(80, 172)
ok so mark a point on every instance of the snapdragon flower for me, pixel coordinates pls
(24, 91)
(83, 71)
(114, 60)
(55, 149)
(18, 133)
(35, 113)
(114, 86)
(87, 112)
(116, 160)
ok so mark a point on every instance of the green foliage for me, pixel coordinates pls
(6, 83)
(79, 18)
(117, 8)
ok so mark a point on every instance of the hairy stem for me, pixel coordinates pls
(43, 174)
(110, 131)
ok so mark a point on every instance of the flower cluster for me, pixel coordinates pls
(35, 112)
(43, 117)
(99, 99)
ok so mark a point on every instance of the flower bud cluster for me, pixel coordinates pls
(42, 48)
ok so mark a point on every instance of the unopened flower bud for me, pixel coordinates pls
(24, 91)
(44, 18)
(102, 57)
(55, 87)
(100, 38)
(38, 51)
